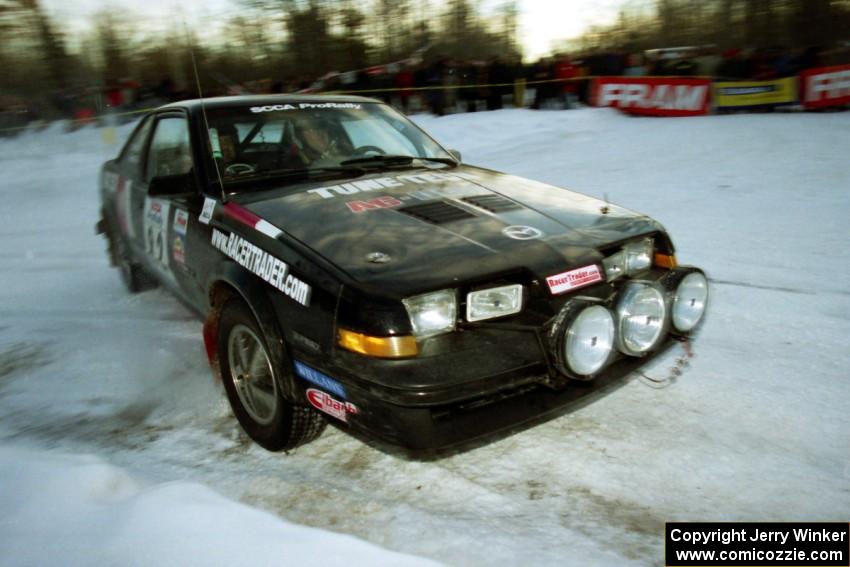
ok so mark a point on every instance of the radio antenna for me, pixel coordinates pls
(201, 100)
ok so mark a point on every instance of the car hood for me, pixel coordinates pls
(416, 230)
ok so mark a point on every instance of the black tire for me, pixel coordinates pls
(254, 386)
(134, 276)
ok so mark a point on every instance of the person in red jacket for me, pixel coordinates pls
(565, 71)
(403, 84)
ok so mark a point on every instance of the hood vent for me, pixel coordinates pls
(493, 203)
(437, 212)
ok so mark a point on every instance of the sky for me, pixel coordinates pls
(543, 23)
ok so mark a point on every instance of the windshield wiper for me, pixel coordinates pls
(305, 173)
(380, 160)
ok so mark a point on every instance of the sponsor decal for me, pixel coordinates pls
(207, 211)
(178, 249)
(520, 232)
(653, 95)
(246, 217)
(181, 221)
(326, 403)
(306, 105)
(319, 379)
(261, 263)
(388, 182)
(154, 230)
(574, 279)
(384, 202)
(755, 93)
(826, 86)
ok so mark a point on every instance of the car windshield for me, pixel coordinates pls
(307, 139)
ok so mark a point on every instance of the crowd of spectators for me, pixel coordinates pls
(445, 85)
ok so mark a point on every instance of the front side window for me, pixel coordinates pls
(170, 151)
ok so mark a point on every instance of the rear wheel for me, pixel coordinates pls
(253, 384)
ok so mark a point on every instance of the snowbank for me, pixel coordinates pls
(61, 509)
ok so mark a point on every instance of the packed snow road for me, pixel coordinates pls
(756, 428)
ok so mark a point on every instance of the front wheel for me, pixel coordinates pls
(253, 386)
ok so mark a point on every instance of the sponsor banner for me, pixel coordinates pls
(258, 261)
(574, 279)
(825, 86)
(742, 94)
(319, 379)
(653, 96)
(326, 403)
(758, 544)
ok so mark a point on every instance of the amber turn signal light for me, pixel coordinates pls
(665, 261)
(379, 347)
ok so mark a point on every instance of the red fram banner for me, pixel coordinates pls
(653, 96)
(825, 86)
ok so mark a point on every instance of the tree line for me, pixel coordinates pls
(283, 40)
(753, 24)
(296, 41)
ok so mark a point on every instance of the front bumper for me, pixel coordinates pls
(474, 384)
(525, 400)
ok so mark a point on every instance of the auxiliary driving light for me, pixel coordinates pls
(641, 317)
(689, 301)
(584, 339)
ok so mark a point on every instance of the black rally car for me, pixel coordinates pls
(346, 265)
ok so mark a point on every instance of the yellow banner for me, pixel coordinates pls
(755, 93)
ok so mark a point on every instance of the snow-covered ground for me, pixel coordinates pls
(116, 446)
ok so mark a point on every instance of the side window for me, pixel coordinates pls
(131, 155)
(170, 151)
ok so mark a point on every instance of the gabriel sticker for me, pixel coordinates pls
(326, 403)
(574, 279)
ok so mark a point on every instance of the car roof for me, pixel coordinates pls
(195, 105)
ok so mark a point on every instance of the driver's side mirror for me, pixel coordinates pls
(456, 154)
(180, 185)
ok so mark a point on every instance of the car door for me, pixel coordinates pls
(125, 176)
(162, 220)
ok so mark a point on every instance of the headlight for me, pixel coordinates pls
(634, 257)
(432, 313)
(615, 265)
(689, 301)
(493, 302)
(638, 255)
(641, 317)
(589, 340)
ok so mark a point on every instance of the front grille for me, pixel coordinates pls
(437, 212)
(493, 203)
